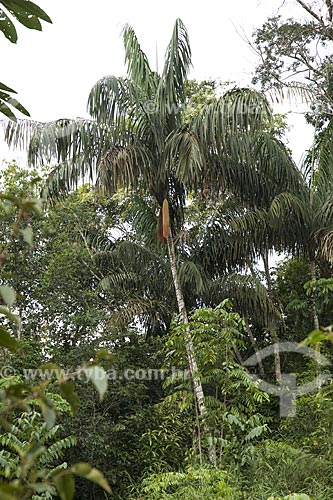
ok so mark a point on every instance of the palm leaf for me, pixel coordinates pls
(171, 90)
(128, 167)
(138, 69)
(185, 157)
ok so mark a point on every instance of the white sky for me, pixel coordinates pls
(54, 70)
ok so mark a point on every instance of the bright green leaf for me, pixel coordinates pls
(315, 337)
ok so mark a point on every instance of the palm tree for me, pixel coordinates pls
(138, 139)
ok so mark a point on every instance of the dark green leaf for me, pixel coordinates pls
(65, 485)
(6, 340)
(85, 470)
(22, 14)
(67, 390)
(7, 27)
(48, 411)
(32, 8)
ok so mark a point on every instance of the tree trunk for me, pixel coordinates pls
(197, 385)
(273, 328)
(314, 277)
(315, 319)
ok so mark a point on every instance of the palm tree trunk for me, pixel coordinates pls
(197, 385)
(314, 277)
(273, 329)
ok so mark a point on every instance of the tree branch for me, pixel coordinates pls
(310, 11)
(330, 10)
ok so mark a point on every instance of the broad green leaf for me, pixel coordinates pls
(8, 294)
(6, 340)
(7, 100)
(65, 485)
(315, 337)
(22, 14)
(32, 8)
(48, 411)
(67, 390)
(7, 27)
(85, 470)
(5, 109)
(97, 375)
(27, 234)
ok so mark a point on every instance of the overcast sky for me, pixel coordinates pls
(54, 70)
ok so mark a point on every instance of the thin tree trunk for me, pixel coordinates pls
(314, 277)
(273, 329)
(197, 385)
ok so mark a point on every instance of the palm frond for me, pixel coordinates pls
(185, 156)
(129, 167)
(325, 238)
(238, 110)
(249, 296)
(60, 140)
(144, 220)
(324, 152)
(171, 90)
(67, 176)
(138, 68)
(291, 90)
(111, 100)
(192, 276)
